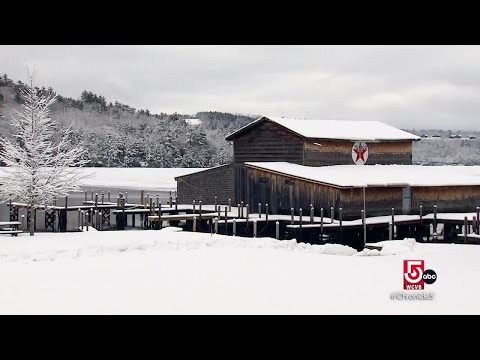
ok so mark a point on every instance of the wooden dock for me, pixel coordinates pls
(240, 220)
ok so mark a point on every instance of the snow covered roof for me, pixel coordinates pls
(196, 171)
(377, 175)
(335, 129)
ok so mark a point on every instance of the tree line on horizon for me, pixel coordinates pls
(118, 135)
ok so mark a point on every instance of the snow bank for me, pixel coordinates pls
(176, 272)
(55, 246)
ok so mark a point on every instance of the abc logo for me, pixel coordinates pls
(429, 276)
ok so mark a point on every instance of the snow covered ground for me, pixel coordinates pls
(169, 272)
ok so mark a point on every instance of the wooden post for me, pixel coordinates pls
(83, 218)
(151, 205)
(292, 215)
(341, 220)
(96, 200)
(103, 196)
(79, 219)
(312, 213)
(254, 228)
(248, 215)
(474, 224)
(124, 225)
(91, 194)
(159, 213)
(171, 200)
(86, 222)
(277, 230)
(148, 199)
(234, 227)
(266, 214)
(108, 195)
(218, 210)
(101, 220)
(194, 206)
(435, 220)
(126, 197)
(478, 220)
(241, 208)
(226, 218)
(85, 195)
(66, 214)
(23, 222)
(200, 209)
(215, 202)
(238, 208)
(94, 219)
(300, 221)
(194, 226)
(390, 231)
(142, 194)
(216, 225)
(465, 229)
(393, 222)
(321, 222)
(331, 214)
(364, 223)
(259, 210)
(421, 214)
(176, 203)
(229, 205)
(158, 200)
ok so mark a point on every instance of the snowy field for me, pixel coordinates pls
(168, 272)
(161, 179)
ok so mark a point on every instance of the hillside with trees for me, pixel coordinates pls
(118, 135)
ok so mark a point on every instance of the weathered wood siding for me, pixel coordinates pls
(339, 152)
(268, 142)
(447, 198)
(282, 193)
(378, 201)
(205, 185)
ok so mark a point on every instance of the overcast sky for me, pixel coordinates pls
(405, 86)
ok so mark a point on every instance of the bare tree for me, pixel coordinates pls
(39, 169)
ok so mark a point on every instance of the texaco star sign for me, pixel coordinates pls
(360, 152)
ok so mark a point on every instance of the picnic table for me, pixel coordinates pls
(10, 227)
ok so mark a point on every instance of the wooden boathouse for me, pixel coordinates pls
(304, 142)
(380, 187)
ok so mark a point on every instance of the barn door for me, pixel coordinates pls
(264, 193)
(407, 199)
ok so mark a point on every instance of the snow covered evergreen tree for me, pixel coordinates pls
(39, 169)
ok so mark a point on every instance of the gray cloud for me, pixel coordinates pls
(405, 86)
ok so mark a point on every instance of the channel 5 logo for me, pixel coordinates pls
(414, 275)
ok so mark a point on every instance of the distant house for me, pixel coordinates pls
(193, 121)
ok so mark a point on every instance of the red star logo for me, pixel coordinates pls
(360, 151)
